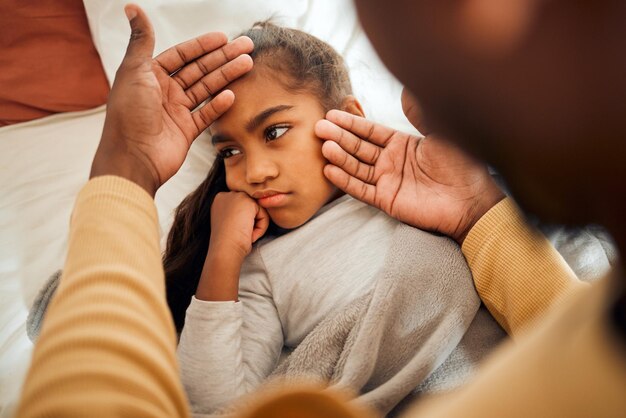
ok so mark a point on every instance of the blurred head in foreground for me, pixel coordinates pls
(535, 88)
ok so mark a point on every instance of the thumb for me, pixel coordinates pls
(413, 111)
(261, 223)
(141, 43)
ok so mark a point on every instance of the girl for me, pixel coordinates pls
(237, 299)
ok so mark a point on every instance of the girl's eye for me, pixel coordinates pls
(275, 132)
(228, 152)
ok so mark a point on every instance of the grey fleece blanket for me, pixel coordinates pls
(387, 344)
(401, 338)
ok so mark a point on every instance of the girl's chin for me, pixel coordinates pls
(288, 221)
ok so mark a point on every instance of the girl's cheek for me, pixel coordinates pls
(229, 179)
(235, 178)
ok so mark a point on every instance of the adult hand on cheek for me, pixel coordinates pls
(425, 182)
(150, 122)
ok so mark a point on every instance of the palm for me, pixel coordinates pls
(161, 129)
(424, 182)
(156, 108)
(168, 126)
(425, 171)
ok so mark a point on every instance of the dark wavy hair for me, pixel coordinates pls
(310, 65)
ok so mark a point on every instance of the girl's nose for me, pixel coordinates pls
(260, 169)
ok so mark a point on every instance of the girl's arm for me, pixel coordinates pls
(237, 222)
(228, 348)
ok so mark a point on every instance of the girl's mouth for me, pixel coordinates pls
(273, 200)
(270, 199)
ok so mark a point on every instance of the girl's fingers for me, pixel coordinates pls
(210, 111)
(361, 127)
(261, 223)
(216, 80)
(347, 163)
(196, 70)
(176, 57)
(361, 149)
(351, 185)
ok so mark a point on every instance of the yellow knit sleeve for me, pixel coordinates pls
(107, 345)
(518, 274)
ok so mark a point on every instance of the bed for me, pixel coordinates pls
(45, 161)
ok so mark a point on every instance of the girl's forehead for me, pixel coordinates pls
(258, 89)
(262, 88)
(261, 77)
(261, 99)
(265, 79)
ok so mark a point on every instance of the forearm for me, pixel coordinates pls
(517, 272)
(211, 360)
(219, 280)
(107, 345)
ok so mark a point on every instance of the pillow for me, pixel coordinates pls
(333, 21)
(48, 60)
(176, 21)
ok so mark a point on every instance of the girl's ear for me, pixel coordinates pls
(351, 105)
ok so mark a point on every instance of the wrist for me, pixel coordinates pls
(487, 201)
(125, 166)
(226, 253)
(219, 280)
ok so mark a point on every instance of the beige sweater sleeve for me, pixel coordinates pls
(107, 346)
(518, 274)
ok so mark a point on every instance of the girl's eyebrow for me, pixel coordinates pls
(260, 118)
(217, 138)
(253, 123)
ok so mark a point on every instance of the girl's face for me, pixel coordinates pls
(270, 149)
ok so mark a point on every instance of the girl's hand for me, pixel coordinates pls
(237, 221)
(424, 182)
(155, 109)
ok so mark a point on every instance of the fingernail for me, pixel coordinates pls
(130, 13)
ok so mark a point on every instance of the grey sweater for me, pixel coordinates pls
(329, 268)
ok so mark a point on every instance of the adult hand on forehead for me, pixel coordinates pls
(425, 182)
(152, 113)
